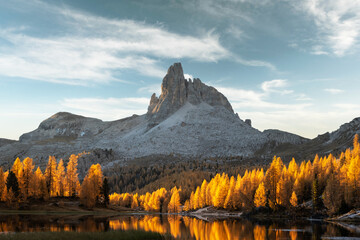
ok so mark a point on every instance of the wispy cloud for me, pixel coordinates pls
(95, 49)
(106, 108)
(255, 63)
(242, 98)
(153, 88)
(303, 97)
(276, 86)
(333, 90)
(338, 24)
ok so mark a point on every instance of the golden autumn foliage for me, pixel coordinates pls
(174, 204)
(293, 199)
(23, 183)
(330, 180)
(333, 182)
(91, 186)
(260, 196)
(72, 180)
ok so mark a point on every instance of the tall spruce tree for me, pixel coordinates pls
(12, 183)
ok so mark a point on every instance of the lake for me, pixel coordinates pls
(180, 227)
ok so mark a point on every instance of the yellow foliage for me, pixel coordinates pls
(293, 199)
(260, 196)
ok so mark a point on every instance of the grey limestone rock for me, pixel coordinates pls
(176, 91)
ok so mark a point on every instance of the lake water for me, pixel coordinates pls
(181, 227)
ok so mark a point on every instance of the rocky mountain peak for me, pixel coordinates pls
(63, 124)
(176, 91)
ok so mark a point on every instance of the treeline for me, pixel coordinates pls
(21, 183)
(143, 177)
(330, 182)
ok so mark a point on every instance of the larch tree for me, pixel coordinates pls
(221, 191)
(60, 177)
(272, 177)
(17, 167)
(260, 196)
(202, 200)
(27, 178)
(135, 201)
(353, 176)
(293, 170)
(38, 185)
(174, 204)
(293, 199)
(50, 174)
(187, 206)
(196, 199)
(72, 180)
(332, 196)
(229, 203)
(87, 193)
(91, 186)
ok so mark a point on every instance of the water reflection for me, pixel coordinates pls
(176, 226)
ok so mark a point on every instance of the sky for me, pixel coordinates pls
(288, 65)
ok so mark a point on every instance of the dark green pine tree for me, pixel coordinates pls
(105, 191)
(12, 182)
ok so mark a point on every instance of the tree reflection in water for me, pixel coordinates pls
(178, 227)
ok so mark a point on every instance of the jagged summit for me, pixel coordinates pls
(189, 119)
(176, 91)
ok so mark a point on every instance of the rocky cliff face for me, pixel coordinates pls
(176, 91)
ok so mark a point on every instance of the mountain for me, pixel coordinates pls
(189, 120)
(329, 142)
(4, 141)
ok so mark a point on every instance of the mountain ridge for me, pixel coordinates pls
(188, 120)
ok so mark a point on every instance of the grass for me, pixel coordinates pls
(123, 235)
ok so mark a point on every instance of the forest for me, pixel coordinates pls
(331, 183)
(21, 184)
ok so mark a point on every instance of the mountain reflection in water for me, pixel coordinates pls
(176, 226)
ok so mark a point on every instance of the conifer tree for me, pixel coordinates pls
(12, 184)
(260, 196)
(27, 178)
(315, 194)
(2, 184)
(174, 204)
(91, 186)
(105, 192)
(272, 177)
(17, 167)
(202, 200)
(229, 204)
(293, 199)
(72, 180)
(332, 195)
(196, 199)
(38, 184)
(221, 192)
(60, 177)
(134, 202)
(50, 174)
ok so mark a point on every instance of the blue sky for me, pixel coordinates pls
(290, 65)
